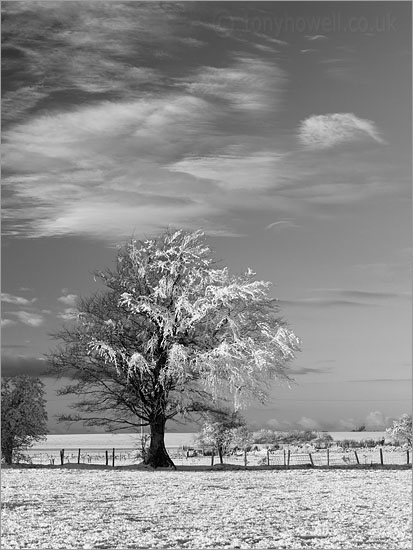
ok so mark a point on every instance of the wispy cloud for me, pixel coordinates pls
(234, 172)
(323, 303)
(135, 155)
(29, 318)
(94, 150)
(326, 131)
(376, 420)
(140, 137)
(379, 380)
(314, 37)
(85, 48)
(362, 294)
(340, 68)
(345, 298)
(14, 346)
(302, 371)
(16, 300)
(287, 223)
(308, 423)
(396, 270)
(7, 323)
(69, 299)
(158, 147)
(249, 83)
(68, 314)
(276, 424)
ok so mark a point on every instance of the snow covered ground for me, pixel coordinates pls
(329, 509)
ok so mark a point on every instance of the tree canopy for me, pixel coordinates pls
(172, 334)
(23, 415)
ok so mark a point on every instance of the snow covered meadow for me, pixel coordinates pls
(75, 508)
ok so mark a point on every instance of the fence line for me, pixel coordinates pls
(265, 457)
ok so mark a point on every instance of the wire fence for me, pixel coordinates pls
(182, 457)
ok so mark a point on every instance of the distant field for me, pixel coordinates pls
(328, 509)
(122, 440)
(107, 441)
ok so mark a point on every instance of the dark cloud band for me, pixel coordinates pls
(18, 365)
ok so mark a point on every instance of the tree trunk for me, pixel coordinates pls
(157, 455)
(221, 460)
(7, 451)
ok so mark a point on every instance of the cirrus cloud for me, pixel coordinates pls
(16, 300)
(69, 314)
(126, 141)
(326, 131)
(29, 318)
(69, 299)
(7, 323)
(250, 83)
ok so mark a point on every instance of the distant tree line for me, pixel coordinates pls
(226, 432)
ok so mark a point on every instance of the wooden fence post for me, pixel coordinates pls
(78, 456)
(212, 457)
(407, 453)
(113, 457)
(107, 458)
(381, 456)
(288, 457)
(357, 457)
(311, 459)
(62, 456)
(285, 463)
(245, 458)
(328, 456)
(268, 457)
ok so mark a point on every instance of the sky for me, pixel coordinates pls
(282, 130)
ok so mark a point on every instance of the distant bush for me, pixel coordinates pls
(348, 443)
(363, 443)
(362, 428)
(264, 436)
(323, 441)
(369, 443)
(269, 437)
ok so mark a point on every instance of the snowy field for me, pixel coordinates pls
(72, 509)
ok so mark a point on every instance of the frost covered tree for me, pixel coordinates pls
(171, 335)
(401, 429)
(220, 430)
(23, 415)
